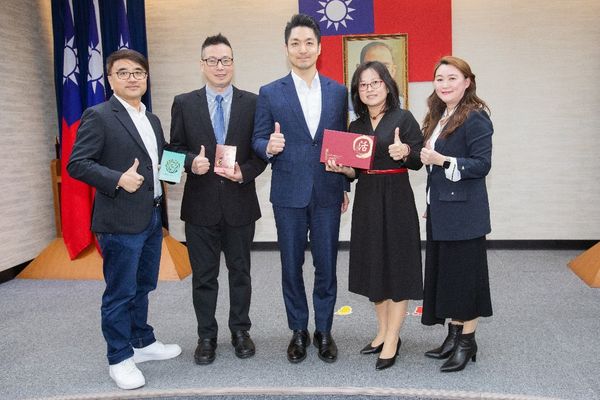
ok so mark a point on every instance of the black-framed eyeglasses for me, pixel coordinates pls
(213, 61)
(137, 75)
(374, 85)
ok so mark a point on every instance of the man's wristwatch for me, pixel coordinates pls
(446, 164)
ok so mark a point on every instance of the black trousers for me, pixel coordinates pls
(205, 244)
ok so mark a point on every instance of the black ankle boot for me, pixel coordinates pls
(449, 344)
(465, 349)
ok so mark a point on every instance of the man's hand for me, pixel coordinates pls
(200, 165)
(276, 141)
(236, 176)
(398, 150)
(131, 180)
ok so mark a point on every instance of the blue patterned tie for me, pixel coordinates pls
(219, 122)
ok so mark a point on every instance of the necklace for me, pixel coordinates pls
(374, 117)
(446, 116)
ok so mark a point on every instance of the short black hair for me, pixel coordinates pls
(302, 20)
(215, 40)
(363, 52)
(391, 101)
(127, 54)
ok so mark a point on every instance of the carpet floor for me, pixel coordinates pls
(543, 341)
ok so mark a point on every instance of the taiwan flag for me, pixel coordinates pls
(76, 196)
(427, 23)
(123, 25)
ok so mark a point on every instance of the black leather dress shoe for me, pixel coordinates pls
(205, 351)
(326, 345)
(243, 344)
(368, 349)
(296, 351)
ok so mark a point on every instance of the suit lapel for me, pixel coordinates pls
(203, 116)
(325, 95)
(290, 94)
(123, 117)
(234, 115)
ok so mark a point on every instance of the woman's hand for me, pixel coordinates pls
(332, 166)
(431, 157)
(398, 150)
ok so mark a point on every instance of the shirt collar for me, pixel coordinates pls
(300, 83)
(131, 108)
(227, 93)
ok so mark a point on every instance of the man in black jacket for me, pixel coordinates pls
(117, 151)
(219, 208)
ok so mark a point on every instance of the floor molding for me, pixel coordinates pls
(301, 392)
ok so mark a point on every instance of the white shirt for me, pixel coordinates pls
(310, 101)
(452, 173)
(144, 128)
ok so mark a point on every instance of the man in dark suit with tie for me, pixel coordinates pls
(291, 114)
(219, 209)
(117, 151)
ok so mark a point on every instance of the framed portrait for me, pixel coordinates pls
(391, 50)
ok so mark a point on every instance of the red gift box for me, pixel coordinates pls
(348, 149)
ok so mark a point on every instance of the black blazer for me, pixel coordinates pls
(208, 198)
(460, 210)
(106, 145)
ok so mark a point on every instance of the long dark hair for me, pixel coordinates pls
(391, 101)
(469, 102)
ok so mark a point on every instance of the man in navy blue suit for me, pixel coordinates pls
(291, 114)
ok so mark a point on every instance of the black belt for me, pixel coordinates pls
(158, 201)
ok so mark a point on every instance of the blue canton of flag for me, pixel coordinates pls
(95, 78)
(124, 38)
(71, 99)
(340, 17)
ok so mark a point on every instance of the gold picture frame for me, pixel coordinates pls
(391, 50)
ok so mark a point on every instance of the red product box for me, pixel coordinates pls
(348, 149)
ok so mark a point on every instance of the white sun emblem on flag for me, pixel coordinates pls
(70, 65)
(336, 12)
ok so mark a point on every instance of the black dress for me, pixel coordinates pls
(385, 246)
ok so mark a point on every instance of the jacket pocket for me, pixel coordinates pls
(453, 195)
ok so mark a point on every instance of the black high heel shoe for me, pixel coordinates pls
(383, 363)
(465, 349)
(368, 349)
(444, 351)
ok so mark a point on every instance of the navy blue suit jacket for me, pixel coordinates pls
(296, 171)
(460, 210)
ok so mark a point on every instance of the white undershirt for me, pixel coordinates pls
(144, 128)
(310, 101)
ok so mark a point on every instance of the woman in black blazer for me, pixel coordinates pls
(458, 150)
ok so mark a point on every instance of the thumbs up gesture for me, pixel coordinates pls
(429, 156)
(276, 141)
(398, 150)
(131, 180)
(200, 165)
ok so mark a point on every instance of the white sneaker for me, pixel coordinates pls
(156, 351)
(126, 375)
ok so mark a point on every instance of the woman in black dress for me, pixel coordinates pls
(385, 251)
(458, 155)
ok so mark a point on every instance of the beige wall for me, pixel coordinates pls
(536, 64)
(27, 130)
(535, 61)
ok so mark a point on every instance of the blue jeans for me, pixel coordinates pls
(131, 263)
